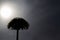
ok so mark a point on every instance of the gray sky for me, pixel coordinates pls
(42, 15)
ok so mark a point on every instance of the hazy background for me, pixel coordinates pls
(42, 15)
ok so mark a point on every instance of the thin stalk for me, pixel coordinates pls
(17, 35)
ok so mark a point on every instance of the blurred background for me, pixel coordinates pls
(42, 15)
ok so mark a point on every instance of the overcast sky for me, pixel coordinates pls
(42, 15)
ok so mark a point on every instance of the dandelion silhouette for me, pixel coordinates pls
(17, 24)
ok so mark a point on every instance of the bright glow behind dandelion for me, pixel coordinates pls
(6, 12)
